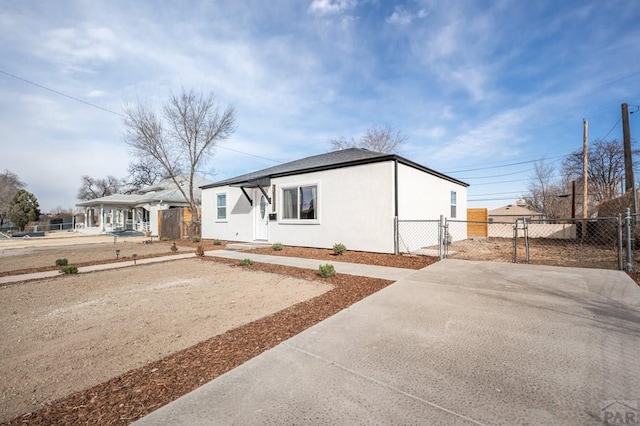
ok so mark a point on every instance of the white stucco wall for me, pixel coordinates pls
(239, 223)
(355, 207)
(422, 197)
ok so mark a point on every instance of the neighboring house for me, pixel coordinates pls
(137, 212)
(352, 196)
(512, 212)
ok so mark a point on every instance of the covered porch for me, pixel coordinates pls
(114, 215)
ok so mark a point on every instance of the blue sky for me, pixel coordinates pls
(474, 84)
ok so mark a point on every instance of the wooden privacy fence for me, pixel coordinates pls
(175, 223)
(477, 222)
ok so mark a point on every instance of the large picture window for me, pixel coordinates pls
(300, 203)
(221, 204)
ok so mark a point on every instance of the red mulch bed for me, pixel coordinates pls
(81, 264)
(138, 392)
(380, 259)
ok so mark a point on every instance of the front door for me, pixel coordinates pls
(261, 221)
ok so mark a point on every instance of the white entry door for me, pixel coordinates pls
(261, 221)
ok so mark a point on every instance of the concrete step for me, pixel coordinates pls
(246, 246)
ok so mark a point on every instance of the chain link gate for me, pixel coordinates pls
(592, 243)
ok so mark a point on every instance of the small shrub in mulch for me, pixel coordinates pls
(62, 262)
(217, 242)
(195, 239)
(69, 269)
(246, 262)
(326, 270)
(277, 247)
(339, 248)
(174, 247)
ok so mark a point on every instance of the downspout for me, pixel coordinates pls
(395, 207)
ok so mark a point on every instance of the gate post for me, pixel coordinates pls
(627, 226)
(441, 233)
(620, 249)
(515, 242)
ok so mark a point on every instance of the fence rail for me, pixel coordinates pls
(605, 242)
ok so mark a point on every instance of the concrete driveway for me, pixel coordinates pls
(458, 342)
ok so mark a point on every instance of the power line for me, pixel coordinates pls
(60, 93)
(509, 181)
(508, 165)
(493, 199)
(57, 92)
(614, 126)
(497, 193)
(495, 176)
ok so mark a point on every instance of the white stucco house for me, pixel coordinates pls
(136, 212)
(352, 196)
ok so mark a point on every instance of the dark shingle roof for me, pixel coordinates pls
(330, 160)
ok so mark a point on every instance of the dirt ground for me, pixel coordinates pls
(541, 252)
(70, 333)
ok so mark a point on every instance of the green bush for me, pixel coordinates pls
(195, 239)
(326, 270)
(246, 262)
(217, 242)
(200, 251)
(69, 270)
(174, 247)
(62, 262)
(339, 248)
(277, 247)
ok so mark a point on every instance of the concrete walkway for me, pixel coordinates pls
(371, 271)
(457, 343)
(93, 268)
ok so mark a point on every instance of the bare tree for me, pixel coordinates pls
(10, 184)
(378, 139)
(184, 136)
(92, 188)
(547, 194)
(144, 171)
(605, 169)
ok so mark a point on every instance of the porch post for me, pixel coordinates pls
(101, 218)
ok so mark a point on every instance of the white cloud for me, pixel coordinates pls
(330, 7)
(96, 94)
(402, 17)
(76, 48)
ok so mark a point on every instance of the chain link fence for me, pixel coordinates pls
(419, 237)
(606, 242)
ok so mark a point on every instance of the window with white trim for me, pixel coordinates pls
(454, 204)
(300, 203)
(221, 205)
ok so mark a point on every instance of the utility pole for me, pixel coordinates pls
(629, 184)
(585, 166)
